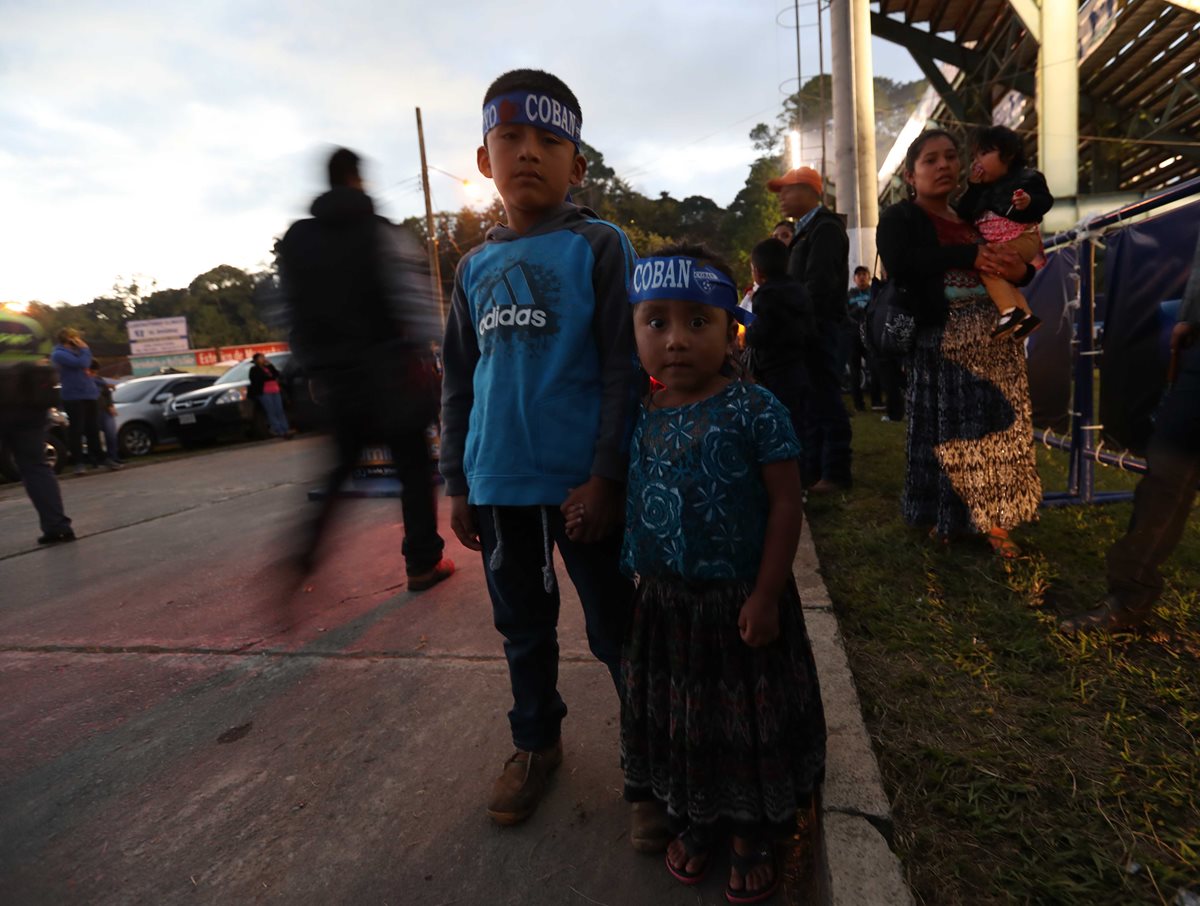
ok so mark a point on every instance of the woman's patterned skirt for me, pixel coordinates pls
(971, 463)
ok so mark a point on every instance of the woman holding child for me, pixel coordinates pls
(971, 466)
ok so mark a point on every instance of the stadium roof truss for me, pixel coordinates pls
(1139, 81)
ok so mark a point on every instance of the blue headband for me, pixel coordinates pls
(685, 278)
(533, 109)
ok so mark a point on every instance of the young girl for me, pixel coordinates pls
(1006, 201)
(721, 720)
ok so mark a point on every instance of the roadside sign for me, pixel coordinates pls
(157, 329)
(153, 364)
(158, 347)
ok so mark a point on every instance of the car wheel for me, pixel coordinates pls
(135, 439)
(259, 428)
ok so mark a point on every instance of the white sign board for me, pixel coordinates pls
(157, 329)
(158, 347)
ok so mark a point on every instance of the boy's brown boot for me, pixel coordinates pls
(648, 828)
(521, 785)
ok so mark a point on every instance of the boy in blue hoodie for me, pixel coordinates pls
(536, 404)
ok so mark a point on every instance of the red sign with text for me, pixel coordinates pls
(237, 353)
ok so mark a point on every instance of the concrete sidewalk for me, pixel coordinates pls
(180, 727)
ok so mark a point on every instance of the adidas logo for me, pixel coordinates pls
(512, 316)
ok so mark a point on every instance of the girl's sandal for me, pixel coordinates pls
(762, 854)
(693, 849)
(1002, 544)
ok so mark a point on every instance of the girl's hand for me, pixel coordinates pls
(758, 621)
(593, 510)
(976, 174)
(576, 515)
(1021, 199)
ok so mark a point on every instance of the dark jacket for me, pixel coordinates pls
(908, 244)
(783, 326)
(997, 197)
(353, 282)
(259, 376)
(820, 259)
(1189, 309)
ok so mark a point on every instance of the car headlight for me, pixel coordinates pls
(232, 395)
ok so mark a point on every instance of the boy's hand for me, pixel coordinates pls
(758, 621)
(1021, 199)
(462, 521)
(593, 510)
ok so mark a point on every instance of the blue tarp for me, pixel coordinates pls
(1146, 267)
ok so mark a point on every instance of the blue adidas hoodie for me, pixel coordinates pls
(539, 366)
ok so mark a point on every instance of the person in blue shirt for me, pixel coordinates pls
(859, 353)
(537, 398)
(72, 357)
(722, 719)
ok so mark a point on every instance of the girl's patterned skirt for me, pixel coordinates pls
(715, 729)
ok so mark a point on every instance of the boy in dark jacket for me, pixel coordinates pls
(1006, 201)
(536, 406)
(782, 329)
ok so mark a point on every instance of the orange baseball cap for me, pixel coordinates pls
(801, 176)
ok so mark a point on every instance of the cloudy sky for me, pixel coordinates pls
(155, 140)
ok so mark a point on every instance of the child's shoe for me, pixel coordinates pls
(1008, 323)
(648, 830)
(521, 785)
(1028, 325)
(744, 864)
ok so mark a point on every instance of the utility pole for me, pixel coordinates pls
(821, 89)
(435, 266)
(799, 85)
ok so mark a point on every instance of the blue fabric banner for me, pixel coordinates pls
(1146, 267)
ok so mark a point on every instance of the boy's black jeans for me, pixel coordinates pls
(527, 615)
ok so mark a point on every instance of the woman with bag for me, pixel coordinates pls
(971, 466)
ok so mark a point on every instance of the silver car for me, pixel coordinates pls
(139, 403)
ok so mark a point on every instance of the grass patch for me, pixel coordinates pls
(1022, 766)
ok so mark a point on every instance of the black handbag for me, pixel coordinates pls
(892, 327)
(889, 325)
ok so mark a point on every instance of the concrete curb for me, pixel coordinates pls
(861, 869)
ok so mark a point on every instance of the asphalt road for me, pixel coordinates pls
(182, 722)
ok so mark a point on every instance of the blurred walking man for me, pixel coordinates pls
(362, 321)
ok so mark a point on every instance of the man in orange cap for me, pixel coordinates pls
(819, 257)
